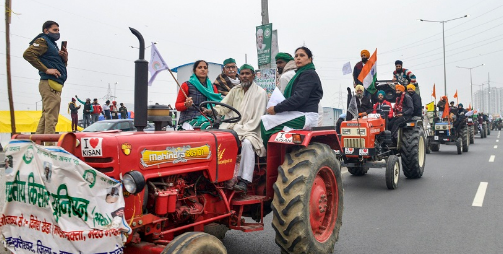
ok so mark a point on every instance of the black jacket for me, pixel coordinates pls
(306, 94)
(407, 106)
(416, 102)
(364, 106)
(356, 72)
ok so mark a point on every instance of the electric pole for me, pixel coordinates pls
(8, 12)
(265, 21)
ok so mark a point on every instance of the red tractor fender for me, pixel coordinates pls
(279, 144)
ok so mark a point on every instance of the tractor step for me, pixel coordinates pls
(245, 200)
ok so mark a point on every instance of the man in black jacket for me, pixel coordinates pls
(362, 102)
(416, 100)
(403, 110)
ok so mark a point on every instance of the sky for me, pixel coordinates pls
(101, 51)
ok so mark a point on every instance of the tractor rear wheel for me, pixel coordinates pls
(358, 171)
(195, 242)
(472, 134)
(413, 152)
(466, 140)
(459, 145)
(392, 172)
(484, 130)
(308, 201)
(435, 147)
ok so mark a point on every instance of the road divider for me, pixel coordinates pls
(479, 196)
(491, 159)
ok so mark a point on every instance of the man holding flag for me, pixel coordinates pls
(368, 75)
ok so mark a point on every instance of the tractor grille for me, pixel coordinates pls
(354, 142)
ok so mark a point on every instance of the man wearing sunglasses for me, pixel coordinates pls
(228, 78)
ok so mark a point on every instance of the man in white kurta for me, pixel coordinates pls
(250, 100)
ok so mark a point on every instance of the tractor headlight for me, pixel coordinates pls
(133, 181)
(346, 131)
(361, 131)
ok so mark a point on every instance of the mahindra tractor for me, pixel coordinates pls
(367, 143)
(175, 183)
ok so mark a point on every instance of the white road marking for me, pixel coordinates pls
(491, 159)
(495, 147)
(479, 196)
(497, 140)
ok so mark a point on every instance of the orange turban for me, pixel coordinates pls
(365, 52)
(400, 87)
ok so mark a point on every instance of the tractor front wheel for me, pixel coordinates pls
(308, 201)
(435, 147)
(459, 144)
(392, 172)
(195, 242)
(466, 140)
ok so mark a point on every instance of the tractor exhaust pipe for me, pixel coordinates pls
(140, 85)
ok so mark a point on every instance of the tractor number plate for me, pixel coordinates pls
(364, 151)
(284, 137)
(436, 137)
(441, 131)
(349, 150)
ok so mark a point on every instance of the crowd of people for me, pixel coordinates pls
(92, 111)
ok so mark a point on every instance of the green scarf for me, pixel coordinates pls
(206, 91)
(288, 89)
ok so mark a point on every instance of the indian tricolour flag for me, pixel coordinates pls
(368, 76)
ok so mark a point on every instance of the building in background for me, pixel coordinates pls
(489, 100)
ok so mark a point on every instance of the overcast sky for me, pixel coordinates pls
(100, 53)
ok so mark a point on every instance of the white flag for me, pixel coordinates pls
(156, 64)
(346, 69)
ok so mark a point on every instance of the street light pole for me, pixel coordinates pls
(471, 81)
(443, 40)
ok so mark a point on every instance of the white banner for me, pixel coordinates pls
(55, 203)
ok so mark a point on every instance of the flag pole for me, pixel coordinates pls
(177, 83)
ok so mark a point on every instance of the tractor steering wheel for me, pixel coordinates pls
(216, 119)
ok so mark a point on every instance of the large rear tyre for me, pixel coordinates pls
(392, 172)
(472, 134)
(435, 147)
(358, 171)
(466, 140)
(459, 145)
(195, 242)
(308, 201)
(413, 152)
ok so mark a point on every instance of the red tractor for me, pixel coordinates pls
(174, 185)
(367, 143)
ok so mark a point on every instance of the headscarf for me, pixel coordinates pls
(381, 92)
(206, 90)
(229, 60)
(460, 105)
(411, 86)
(400, 87)
(365, 52)
(247, 67)
(73, 99)
(284, 56)
(359, 87)
(288, 89)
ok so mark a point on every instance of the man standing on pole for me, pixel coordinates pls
(44, 54)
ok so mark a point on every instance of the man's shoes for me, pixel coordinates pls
(241, 186)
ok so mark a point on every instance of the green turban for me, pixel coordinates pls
(229, 60)
(247, 66)
(284, 56)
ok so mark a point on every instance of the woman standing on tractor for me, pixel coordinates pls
(302, 96)
(194, 91)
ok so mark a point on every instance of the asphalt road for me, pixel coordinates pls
(433, 214)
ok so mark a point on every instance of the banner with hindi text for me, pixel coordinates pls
(56, 203)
